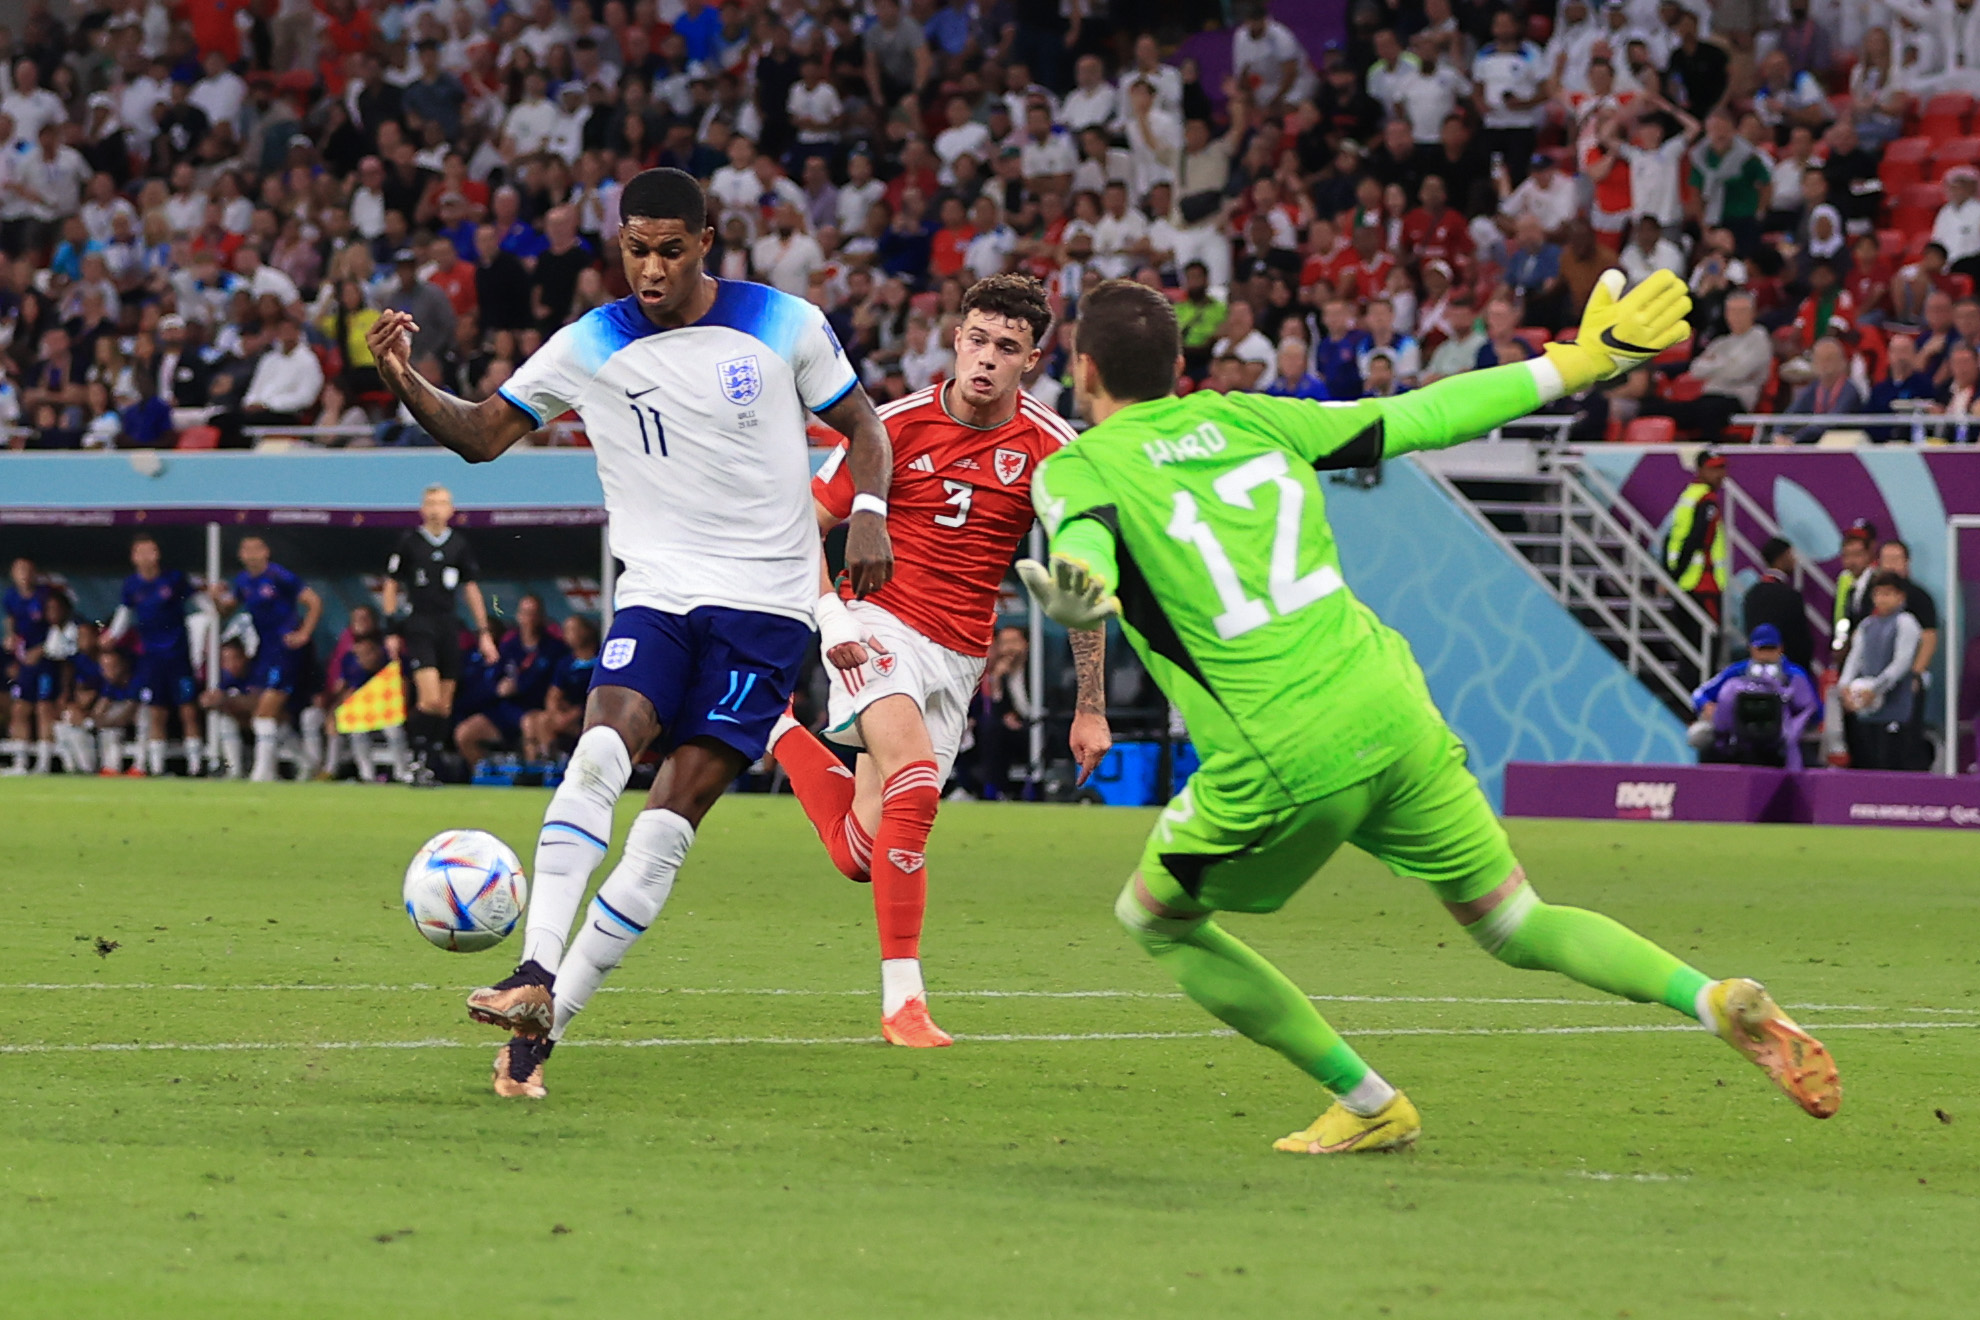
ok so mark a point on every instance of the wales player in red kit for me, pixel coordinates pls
(907, 660)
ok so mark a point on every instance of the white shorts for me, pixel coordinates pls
(942, 682)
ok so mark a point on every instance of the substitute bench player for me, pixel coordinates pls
(907, 659)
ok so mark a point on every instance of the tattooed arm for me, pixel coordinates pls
(477, 432)
(1090, 736)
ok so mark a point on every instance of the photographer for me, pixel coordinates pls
(1753, 711)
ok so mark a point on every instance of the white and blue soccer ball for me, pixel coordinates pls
(465, 891)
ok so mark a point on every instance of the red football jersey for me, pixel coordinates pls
(959, 508)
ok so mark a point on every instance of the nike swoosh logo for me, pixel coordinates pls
(1609, 338)
(634, 394)
(610, 933)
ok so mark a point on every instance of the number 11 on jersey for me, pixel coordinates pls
(659, 433)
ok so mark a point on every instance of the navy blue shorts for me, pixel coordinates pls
(276, 669)
(507, 716)
(165, 678)
(35, 682)
(710, 673)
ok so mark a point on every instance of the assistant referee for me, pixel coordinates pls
(431, 565)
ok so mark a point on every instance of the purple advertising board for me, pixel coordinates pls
(1593, 791)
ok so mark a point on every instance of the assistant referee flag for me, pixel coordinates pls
(379, 704)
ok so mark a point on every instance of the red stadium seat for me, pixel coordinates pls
(1904, 163)
(1946, 155)
(1946, 115)
(1925, 196)
(1962, 287)
(200, 437)
(1915, 223)
(1890, 244)
(1568, 334)
(1534, 337)
(1675, 355)
(1650, 431)
(1683, 389)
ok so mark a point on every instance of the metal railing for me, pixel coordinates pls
(1916, 428)
(1741, 510)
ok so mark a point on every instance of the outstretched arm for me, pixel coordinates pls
(1090, 738)
(477, 432)
(870, 459)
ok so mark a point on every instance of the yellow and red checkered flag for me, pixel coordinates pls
(379, 704)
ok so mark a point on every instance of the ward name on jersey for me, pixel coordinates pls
(699, 435)
(957, 511)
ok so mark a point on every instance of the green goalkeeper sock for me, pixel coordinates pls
(1587, 947)
(1227, 977)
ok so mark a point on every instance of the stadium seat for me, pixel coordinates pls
(1962, 286)
(1890, 244)
(1534, 337)
(1904, 163)
(1946, 115)
(1957, 151)
(1676, 355)
(1683, 389)
(1650, 431)
(1922, 196)
(200, 437)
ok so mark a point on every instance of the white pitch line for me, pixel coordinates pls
(688, 1042)
(420, 987)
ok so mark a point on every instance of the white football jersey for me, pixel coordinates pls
(699, 433)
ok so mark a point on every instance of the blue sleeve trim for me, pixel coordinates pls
(520, 406)
(834, 401)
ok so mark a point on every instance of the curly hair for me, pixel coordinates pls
(1018, 297)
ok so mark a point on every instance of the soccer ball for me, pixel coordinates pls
(465, 891)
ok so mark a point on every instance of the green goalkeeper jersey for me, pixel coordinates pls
(1206, 516)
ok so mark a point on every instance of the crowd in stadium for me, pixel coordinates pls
(205, 209)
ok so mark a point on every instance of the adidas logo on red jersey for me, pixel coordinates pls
(922, 464)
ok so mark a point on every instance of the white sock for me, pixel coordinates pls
(367, 765)
(395, 745)
(626, 906)
(576, 833)
(1369, 1096)
(311, 720)
(267, 745)
(900, 981)
(1702, 1005)
(111, 743)
(195, 751)
(15, 748)
(154, 756)
(44, 757)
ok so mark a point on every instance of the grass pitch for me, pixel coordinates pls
(239, 1085)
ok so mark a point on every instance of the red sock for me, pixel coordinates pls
(824, 788)
(900, 877)
(851, 836)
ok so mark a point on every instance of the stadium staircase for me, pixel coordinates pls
(1591, 551)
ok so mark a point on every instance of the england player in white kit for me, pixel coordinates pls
(694, 393)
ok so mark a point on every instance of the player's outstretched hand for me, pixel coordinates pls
(390, 341)
(1090, 740)
(851, 655)
(869, 553)
(1620, 332)
(1068, 592)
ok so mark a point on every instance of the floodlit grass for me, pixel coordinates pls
(290, 1116)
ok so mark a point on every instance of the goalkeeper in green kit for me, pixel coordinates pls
(1200, 522)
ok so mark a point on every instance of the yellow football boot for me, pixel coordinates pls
(1338, 1132)
(1747, 1018)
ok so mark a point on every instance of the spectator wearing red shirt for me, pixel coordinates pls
(1826, 303)
(1869, 282)
(1435, 232)
(952, 240)
(917, 171)
(1603, 162)
(1365, 273)
(1326, 254)
(452, 276)
(214, 27)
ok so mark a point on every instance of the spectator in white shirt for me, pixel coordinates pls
(1649, 252)
(1405, 355)
(1164, 80)
(1153, 135)
(814, 106)
(261, 278)
(1547, 195)
(1048, 154)
(1120, 237)
(858, 194)
(531, 121)
(924, 360)
(221, 93)
(734, 186)
(1426, 93)
(136, 102)
(100, 212)
(1573, 43)
(30, 105)
(1655, 165)
(1241, 339)
(963, 137)
(283, 388)
(1957, 228)
(1092, 103)
(1268, 60)
(785, 257)
(1511, 79)
(185, 209)
(990, 252)
(50, 177)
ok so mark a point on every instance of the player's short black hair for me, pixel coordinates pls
(1129, 330)
(1884, 577)
(1019, 297)
(143, 538)
(665, 194)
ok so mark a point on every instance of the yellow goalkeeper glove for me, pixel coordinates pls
(1619, 334)
(1068, 592)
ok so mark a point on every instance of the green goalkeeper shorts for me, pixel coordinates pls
(1424, 816)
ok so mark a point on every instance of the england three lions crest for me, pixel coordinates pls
(741, 380)
(1009, 464)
